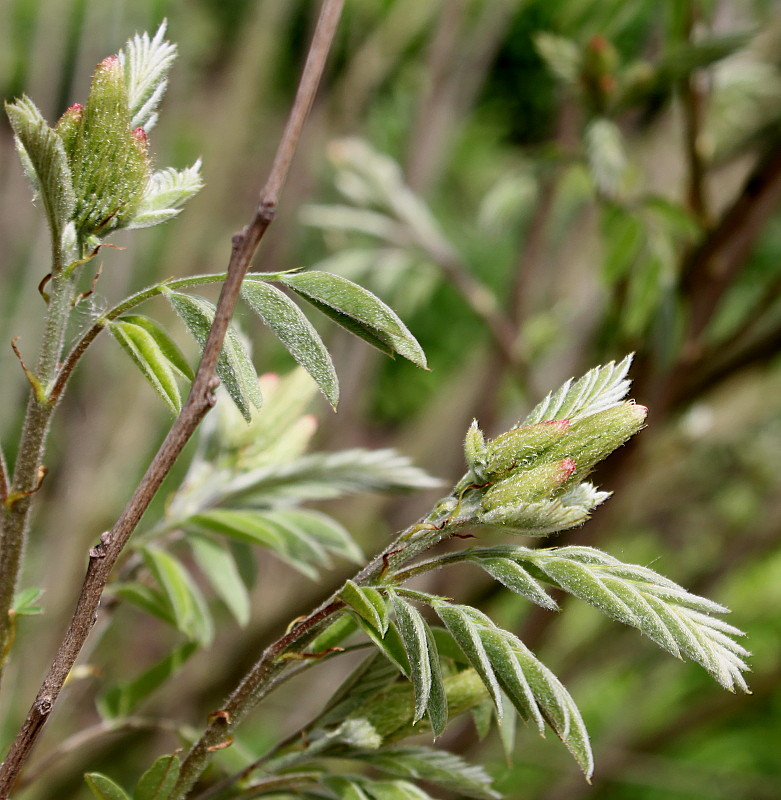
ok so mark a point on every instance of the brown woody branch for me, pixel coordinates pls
(104, 555)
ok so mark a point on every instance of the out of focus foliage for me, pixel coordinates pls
(535, 187)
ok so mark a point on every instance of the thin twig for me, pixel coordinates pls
(103, 556)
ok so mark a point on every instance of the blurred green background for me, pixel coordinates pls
(555, 185)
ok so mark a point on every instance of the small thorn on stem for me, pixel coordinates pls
(38, 389)
(386, 561)
(221, 746)
(42, 286)
(220, 714)
(14, 497)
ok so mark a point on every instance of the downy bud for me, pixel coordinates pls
(529, 485)
(68, 126)
(110, 163)
(520, 447)
(594, 438)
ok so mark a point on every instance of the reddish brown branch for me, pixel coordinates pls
(103, 556)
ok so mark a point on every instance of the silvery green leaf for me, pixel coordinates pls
(218, 565)
(149, 357)
(437, 767)
(104, 788)
(45, 162)
(358, 310)
(414, 635)
(325, 530)
(321, 476)
(606, 156)
(676, 620)
(146, 63)
(165, 194)
(150, 600)
(562, 56)
(501, 659)
(437, 704)
(295, 332)
(512, 575)
(345, 789)
(265, 529)
(535, 519)
(467, 635)
(234, 366)
(599, 389)
(159, 780)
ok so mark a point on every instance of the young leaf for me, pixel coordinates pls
(45, 162)
(165, 194)
(295, 332)
(676, 620)
(437, 703)
(219, 566)
(152, 601)
(365, 606)
(146, 65)
(266, 529)
(599, 389)
(467, 635)
(158, 781)
(148, 356)
(515, 577)
(500, 658)
(186, 601)
(358, 310)
(167, 345)
(414, 635)
(104, 788)
(122, 699)
(437, 767)
(325, 530)
(25, 602)
(234, 366)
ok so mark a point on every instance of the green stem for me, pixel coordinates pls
(15, 511)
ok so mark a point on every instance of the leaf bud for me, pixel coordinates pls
(529, 485)
(475, 451)
(594, 438)
(520, 448)
(68, 127)
(110, 163)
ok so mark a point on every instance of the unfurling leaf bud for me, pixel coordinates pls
(521, 447)
(68, 126)
(110, 162)
(474, 450)
(593, 438)
(529, 485)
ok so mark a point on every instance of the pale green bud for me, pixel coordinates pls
(474, 450)
(594, 438)
(110, 162)
(529, 485)
(521, 447)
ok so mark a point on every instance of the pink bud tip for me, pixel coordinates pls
(109, 61)
(76, 108)
(561, 425)
(140, 135)
(568, 467)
